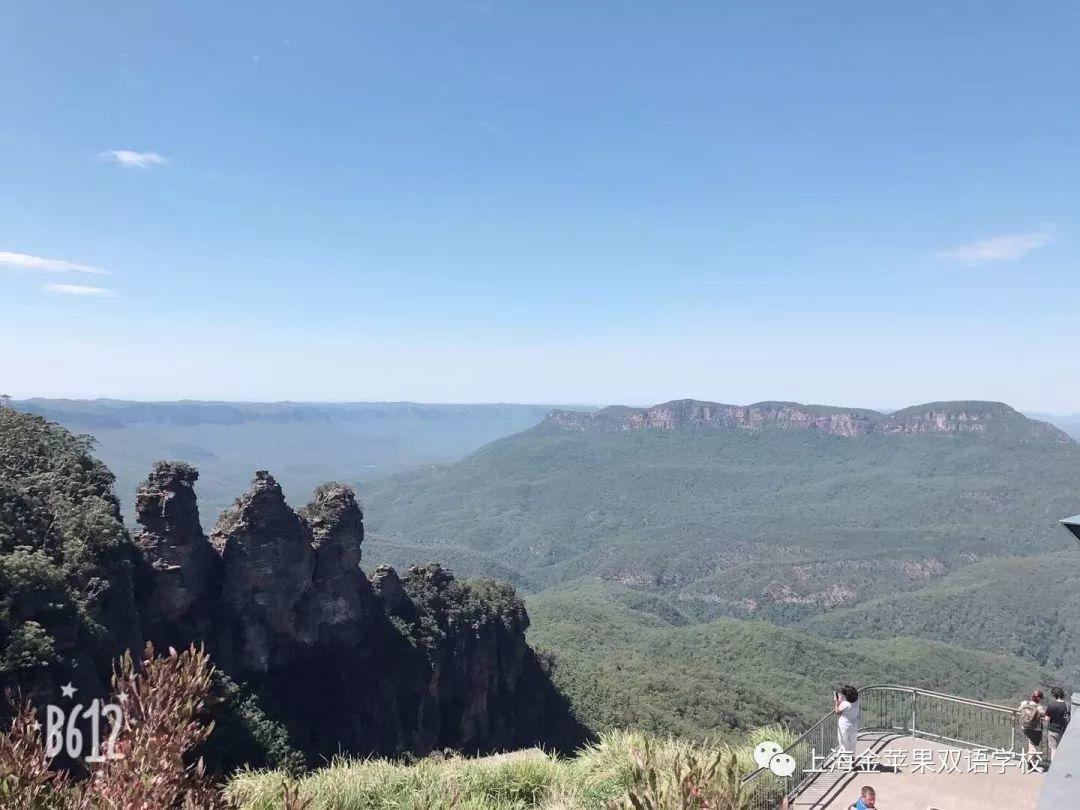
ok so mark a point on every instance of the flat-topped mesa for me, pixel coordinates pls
(759, 416)
(186, 571)
(972, 417)
(989, 418)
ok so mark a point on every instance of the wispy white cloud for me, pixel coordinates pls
(38, 264)
(134, 160)
(76, 289)
(491, 128)
(1000, 248)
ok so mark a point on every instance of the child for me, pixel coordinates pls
(867, 799)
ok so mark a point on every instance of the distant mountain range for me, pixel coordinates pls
(935, 417)
(303, 443)
(770, 512)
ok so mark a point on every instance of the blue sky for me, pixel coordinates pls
(842, 202)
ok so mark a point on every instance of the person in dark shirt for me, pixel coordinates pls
(1058, 714)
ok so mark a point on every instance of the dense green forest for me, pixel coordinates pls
(627, 660)
(717, 515)
(1024, 606)
(66, 562)
(778, 525)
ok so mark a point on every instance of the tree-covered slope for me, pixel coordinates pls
(67, 564)
(776, 523)
(1023, 606)
(893, 548)
(626, 660)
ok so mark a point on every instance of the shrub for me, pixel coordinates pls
(162, 709)
(243, 733)
(692, 781)
(162, 705)
(26, 782)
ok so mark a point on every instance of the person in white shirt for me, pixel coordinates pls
(846, 707)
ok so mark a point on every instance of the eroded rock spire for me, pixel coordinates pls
(186, 571)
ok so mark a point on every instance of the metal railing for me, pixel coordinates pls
(767, 791)
(903, 711)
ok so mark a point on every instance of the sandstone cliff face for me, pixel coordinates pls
(268, 591)
(393, 664)
(934, 418)
(185, 570)
(337, 527)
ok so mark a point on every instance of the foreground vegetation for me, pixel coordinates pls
(153, 763)
(604, 775)
(165, 722)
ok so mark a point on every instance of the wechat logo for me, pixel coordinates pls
(771, 755)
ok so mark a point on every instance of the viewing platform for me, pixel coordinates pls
(922, 750)
(910, 789)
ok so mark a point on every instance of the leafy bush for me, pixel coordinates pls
(163, 702)
(163, 706)
(26, 781)
(243, 733)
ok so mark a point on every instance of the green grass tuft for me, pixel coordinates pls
(595, 777)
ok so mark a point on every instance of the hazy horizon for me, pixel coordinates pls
(1034, 413)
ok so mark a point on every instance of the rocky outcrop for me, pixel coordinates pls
(986, 418)
(760, 416)
(337, 527)
(268, 589)
(186, 573)
(471, 635)
(393, 664)
(390, 591)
